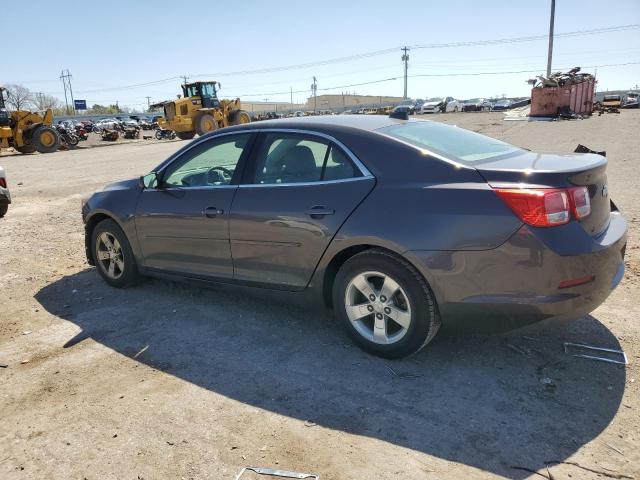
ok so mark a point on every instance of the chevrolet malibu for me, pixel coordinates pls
(396, 225)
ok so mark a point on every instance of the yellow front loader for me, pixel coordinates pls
(26, 131)
(199, 111)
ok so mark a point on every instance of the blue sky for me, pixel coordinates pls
(118, 43)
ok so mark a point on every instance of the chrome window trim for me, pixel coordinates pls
(303, 184)
(361, 167)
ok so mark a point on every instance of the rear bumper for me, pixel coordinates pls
(518, 283)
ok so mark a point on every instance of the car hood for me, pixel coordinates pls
(122, 185)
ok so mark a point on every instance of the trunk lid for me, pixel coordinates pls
(536, 170)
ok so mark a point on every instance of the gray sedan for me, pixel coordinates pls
(395, 224)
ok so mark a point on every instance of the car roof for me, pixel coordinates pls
(358, 122)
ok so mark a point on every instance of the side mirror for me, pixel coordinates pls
(149, 180)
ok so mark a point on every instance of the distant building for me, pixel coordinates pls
(342, 102)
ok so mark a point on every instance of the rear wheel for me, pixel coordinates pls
(239, 117)
(185, 135)
(45, 139)
(384, 304)
(205, 123)
(3, 210)
(113, 256)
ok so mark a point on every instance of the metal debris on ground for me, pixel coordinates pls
(582, 149)
(4, 365)
(402, 375)
(578, 346)
(277, 473)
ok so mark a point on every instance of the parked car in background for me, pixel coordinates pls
(408, 106)
(408, 109)
(5, 196)
(503, 104)
(108, 124)
(476, 105)
(346, 207)
(440, 105)
(631, 101)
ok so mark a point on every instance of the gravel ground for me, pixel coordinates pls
(173, 381)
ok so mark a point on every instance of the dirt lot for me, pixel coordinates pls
(167, 381)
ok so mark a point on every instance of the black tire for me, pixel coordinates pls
(3, 210)
(205, 123)
(425, 319)
(129, 274)
(185, 135)
(72, 140)
(239, 117)
(158, 134)
(26, 149)
(45, 139)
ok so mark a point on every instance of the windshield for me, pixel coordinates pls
(450, 141)
(434, 99)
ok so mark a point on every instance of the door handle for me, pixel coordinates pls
(319, 211)
(212, 212)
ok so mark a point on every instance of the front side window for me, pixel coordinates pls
(209, 165)
(294, 158)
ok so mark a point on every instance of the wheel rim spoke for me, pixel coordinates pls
(363, 285)
(112, 268)
(389, 288)
(380, 329)
(103, 255)
(401, 317)
(120, 264)
(357, 312)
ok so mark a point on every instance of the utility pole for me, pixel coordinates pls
(291, 90)
(314, 90)
(553, 15)
(66, 83)
(148, 103)
(405, 59)
(185, 78)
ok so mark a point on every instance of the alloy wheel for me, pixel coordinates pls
(378, 307)
(109, 255)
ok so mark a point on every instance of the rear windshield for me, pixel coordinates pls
(451, 142)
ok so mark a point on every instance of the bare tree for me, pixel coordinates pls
(44, 102)
(19, 97)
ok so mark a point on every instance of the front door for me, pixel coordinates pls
(183, 225)
(301, 190)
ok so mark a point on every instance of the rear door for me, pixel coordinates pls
(299, 191)
(183, 225)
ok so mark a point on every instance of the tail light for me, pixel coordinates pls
(3, 182)
(546, 207)
(580, 202)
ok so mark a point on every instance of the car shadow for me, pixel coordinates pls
(493, 402)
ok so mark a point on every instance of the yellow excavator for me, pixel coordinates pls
(26, 131)
(199, 111)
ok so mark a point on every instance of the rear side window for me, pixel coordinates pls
(295, 158)
(452, 142)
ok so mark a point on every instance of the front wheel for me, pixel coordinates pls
(239, 117)
(113, 256)
(384, 304)
(3, 210)
(206, 123)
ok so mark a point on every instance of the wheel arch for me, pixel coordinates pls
(329, 272)
(90, 224)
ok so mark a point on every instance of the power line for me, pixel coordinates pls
(374, 53)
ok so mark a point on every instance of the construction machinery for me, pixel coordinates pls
(199, 111)
(27, 131)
